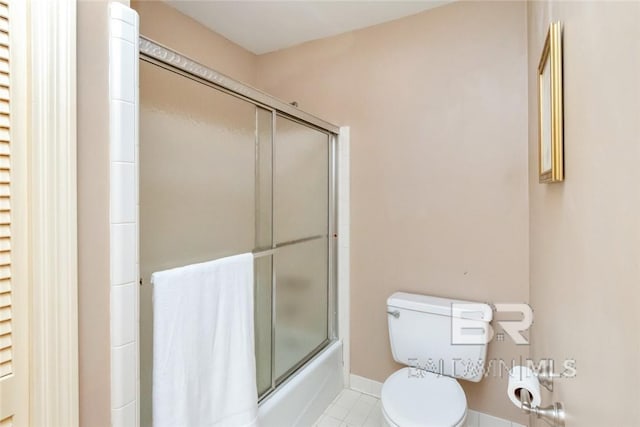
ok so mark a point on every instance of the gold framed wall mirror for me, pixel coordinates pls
(550, 127)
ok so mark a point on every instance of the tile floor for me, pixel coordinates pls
(352, 409)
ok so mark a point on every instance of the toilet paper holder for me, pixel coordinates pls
(553, 415)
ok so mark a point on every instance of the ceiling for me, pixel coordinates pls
(266, 26)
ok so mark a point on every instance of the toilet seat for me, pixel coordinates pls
(428, 401)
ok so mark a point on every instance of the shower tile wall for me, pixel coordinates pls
(344, 244)
(123, 95)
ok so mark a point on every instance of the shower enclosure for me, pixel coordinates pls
(226, 169)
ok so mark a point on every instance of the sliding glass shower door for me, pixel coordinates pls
(301, 223)
(221, 175)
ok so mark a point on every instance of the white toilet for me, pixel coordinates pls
(427, 394)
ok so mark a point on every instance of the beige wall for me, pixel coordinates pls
(93, 213)
(585, 232)
(167, 26)
(437, 105)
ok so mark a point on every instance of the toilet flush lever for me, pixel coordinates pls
(394, 313)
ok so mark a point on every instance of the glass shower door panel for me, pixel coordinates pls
(301, 181)
(301, 302)
(197, 187)
(197, 171)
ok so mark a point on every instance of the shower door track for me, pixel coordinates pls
(164, 57)
(151, 50)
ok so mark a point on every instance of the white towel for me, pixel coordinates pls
(204, 369)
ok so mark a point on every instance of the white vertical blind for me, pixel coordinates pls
(6, 366)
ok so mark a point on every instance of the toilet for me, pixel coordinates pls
(426, 393)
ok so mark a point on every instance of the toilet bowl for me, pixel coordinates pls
(421, 335)
(428, 400)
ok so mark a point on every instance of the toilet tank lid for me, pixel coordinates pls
(442, 306)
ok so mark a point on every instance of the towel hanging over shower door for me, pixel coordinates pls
(204, 370)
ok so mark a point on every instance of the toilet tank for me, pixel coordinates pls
(439, 335)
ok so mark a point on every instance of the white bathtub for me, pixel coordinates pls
(300, 401)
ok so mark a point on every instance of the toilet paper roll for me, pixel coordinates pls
(522, 378)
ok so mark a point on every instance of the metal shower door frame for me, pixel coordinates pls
(157, 54)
